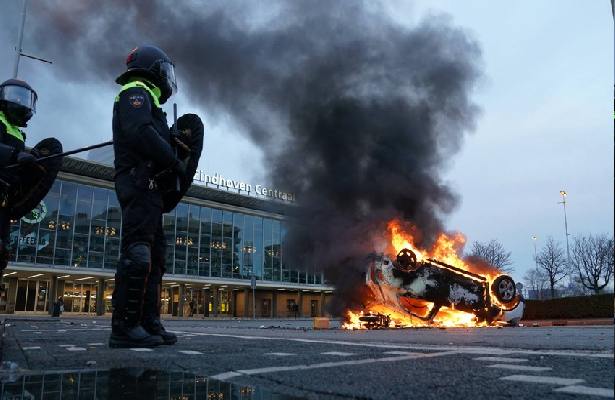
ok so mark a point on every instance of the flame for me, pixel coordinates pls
(447, 249)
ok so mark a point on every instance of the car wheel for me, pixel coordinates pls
(504, 289)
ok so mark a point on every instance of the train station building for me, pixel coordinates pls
(218, 238)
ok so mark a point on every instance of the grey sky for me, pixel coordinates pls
(546, 120)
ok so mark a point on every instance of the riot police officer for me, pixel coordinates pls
(145, 162)
(17, 105)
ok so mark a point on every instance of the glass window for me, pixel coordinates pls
(248, 248)
(238, 219)
(168, 225)
(205, 245)
(216, 242)
(47, 226)
(284, 263)
(194, 225)
(98, 228)
(267, 250)
(276, 250)
(181, 238)
(82, 226)
(258, 244)
(113, 231)
(227, 244)
(26, 249)
(66, 218)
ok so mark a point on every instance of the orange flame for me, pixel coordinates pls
(447, 248)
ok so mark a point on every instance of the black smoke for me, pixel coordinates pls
(357, 114)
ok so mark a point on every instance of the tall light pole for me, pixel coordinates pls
(19, 49)
(563, 202)
(534, 239)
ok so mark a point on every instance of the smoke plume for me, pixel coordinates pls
(357, 114)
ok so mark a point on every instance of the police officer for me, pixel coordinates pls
(17, 106)
(143, 154)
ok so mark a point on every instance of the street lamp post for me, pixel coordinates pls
(534, 238)
(563, 202)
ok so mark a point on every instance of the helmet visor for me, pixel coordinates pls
(19, 95)
(167, 72)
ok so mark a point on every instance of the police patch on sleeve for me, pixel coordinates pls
(136, 100)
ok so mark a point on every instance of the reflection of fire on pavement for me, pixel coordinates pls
(431, 288)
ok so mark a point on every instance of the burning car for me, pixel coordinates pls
(422, 288)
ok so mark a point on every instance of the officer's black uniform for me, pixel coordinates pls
(141, 140)
(17, 105)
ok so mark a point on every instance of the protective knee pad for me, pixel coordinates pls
(131, 282)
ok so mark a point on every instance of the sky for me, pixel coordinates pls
(546, 123)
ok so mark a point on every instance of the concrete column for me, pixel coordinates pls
(274, 304)
(232, 302)
(214, 292)
(300, 304)
(100, 297)
(247, 310)
(10, 295)
(53, 293)
(180, 303)
(206, 301)
(322, 304)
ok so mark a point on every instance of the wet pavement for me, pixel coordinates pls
(256, 359)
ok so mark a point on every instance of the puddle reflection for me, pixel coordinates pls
(129, 383)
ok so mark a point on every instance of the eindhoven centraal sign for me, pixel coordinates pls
(219, 181)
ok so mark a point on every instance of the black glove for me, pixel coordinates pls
(180, 168)
(190, 122)
(25, 158)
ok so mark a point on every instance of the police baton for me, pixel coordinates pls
(67, 153)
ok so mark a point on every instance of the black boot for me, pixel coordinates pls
(152, 301)
(130, 280)
(155, 327)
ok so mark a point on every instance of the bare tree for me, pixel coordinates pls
(551, 261)
(493, 253)
(592, 259)
(536, 280)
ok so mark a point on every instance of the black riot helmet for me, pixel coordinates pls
(17, 101)
(152, 64)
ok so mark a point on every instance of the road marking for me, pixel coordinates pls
(66, 345)
(501, 359)
(61, 330)
(142, 349)
(76, 348)
(96, 344)
(280, 354)
(190, 352)
(514, 367)
(31, 348)
(337, 353)
(459, 349)
(549, 380)
(401, 353)
(579, 389)
(301, 367)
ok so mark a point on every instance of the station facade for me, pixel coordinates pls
(68, 247)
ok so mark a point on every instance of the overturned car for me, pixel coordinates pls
(408, 285)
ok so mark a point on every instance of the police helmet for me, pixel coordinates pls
(17, 101)
(153, 64)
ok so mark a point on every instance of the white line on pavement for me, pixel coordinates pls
(550, 380)
(31, 348)
(279, 354)
(459, 349)
(266, 370)
(76, 348)
(96, 344)
(141, 349)
(400, 353)
(501, 359)
(337, 353)
(190, 352)
(579, 389)
(66, 345)
(515, 367)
